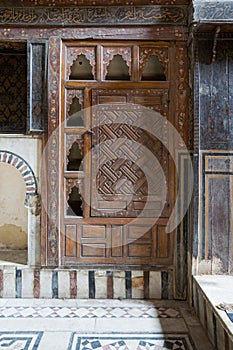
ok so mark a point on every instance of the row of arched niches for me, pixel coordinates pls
(124, 63)
(100, 64)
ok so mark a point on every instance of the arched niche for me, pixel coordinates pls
(21, 177)
(75, 157)
(75, 117)
(153, 70)
(74, 203)
(117, 69)
(81, 69)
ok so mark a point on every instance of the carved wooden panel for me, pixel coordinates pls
(121, 185)
(132, 243)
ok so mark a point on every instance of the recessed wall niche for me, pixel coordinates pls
(153, 70)
(13, 88)
(81, 69)
(117, 69)
(75, 157)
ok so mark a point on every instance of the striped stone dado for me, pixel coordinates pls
(23, 167)
(84, 284)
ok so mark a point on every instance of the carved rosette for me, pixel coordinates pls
(145, 54)
(70, 140)
(182, 90)
(72, 54)
(70, 95)
(53, 151)
(110, 52)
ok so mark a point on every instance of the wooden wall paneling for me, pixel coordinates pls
(217, 222)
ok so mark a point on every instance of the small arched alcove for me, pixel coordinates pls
(13, 216)
(153, 70)
(17, 232)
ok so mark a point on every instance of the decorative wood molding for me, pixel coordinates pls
(91, 16)
(162, 32)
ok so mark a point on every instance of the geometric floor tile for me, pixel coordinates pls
(20, 340)
(131, 342)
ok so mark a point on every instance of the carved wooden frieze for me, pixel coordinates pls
(74, 52)
(146, 52)
(213, 11)
(110, 52)
(105, 15)
(20, 3)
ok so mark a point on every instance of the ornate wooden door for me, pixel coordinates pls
(113, 210)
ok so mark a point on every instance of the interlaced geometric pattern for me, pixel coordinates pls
(13, 93)
(123, 167)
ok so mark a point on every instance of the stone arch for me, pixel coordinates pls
(23, 167)
(32, 203)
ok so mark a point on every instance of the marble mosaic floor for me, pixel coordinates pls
(31, 324)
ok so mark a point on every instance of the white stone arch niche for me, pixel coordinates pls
(32, 203)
